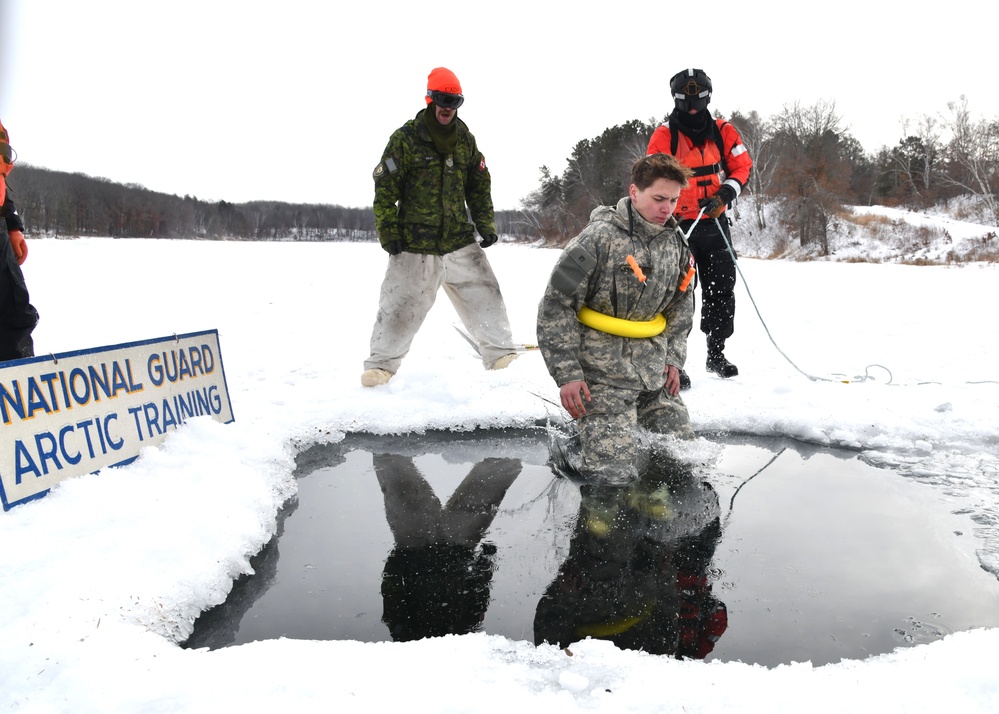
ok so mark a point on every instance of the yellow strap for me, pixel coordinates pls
(619, 327)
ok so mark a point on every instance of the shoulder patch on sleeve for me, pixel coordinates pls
(482, 162)
(573, 268)
(386, 165)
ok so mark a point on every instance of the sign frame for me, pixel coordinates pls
(77, 412)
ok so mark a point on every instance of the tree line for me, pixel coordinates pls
(807, 167)
(57, 203)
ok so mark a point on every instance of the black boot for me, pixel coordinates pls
(716, 360)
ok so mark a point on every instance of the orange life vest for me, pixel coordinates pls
(721, 158)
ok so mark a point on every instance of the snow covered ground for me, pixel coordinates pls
(103, 577)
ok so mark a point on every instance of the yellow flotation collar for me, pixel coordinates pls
(613, 627)
(620, 327)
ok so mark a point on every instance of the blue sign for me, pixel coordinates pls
(74, 413)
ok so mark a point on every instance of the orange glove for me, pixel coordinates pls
(19, 245)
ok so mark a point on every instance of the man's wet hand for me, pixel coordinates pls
(672, 380)
(573, 394)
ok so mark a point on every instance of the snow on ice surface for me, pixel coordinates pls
(101, 578)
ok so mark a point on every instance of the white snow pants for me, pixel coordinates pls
(409, 290)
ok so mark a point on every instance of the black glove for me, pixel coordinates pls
(715, 204)
(393, 248)
(487, 240)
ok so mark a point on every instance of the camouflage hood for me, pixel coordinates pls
(625, 217)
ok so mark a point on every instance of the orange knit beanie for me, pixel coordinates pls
(441, 79)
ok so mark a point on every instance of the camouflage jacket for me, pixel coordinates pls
(593, 271)
(420, 195)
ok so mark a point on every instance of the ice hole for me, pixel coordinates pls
(769, 552)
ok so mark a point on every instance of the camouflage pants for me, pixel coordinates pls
(409, 290)
(608, 431)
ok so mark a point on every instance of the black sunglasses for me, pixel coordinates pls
(445, 100)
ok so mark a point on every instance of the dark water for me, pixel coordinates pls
(771, 552)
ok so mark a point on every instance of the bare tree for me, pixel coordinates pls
(813, 167)
(973, 155)
(758, 138)
(914, 163)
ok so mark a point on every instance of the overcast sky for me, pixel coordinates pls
(295, 100)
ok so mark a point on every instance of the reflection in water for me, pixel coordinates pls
(637, 569)
(436, 579)
(824, 558)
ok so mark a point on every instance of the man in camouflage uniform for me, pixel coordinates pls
(614, 383)
(429, 171)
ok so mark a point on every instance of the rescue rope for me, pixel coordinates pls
(731, 503)
(860, 378)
